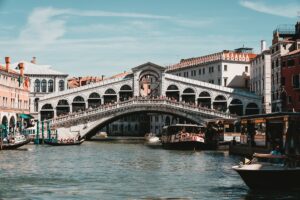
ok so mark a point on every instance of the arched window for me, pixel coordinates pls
(44, 85)
(50, 86)
(61, 85)
(37, 85)
(36, 104)
(173, 87)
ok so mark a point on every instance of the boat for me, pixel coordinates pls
(18, 141)
(261, 173)
(151, 138)
(64, 143)
(184, 137)
(267, 171)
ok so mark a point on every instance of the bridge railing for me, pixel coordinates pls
(140, 101)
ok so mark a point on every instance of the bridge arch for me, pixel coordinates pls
(47, 112)
(236, 107)
(220, 103)
(173, 92)
(62, 107)
(252, 109)
(94, 100)
(204, 99)
(110, 96)
(189, 95)
(78, 104)
(103, 122)
(125, 92)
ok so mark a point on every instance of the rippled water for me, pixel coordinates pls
(121, 171)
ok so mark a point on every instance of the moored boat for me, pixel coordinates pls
(64, 143)
(16, 142)
(184, 137)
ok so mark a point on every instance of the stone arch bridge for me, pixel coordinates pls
(146, 81)
(88, 122)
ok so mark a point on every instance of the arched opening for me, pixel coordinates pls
(252, 109)
(47, 112)
(220, 103)
(50, 86)
(78, 104)
(62, 107)
(12, 124)
(149, 84)
(236, 107)
(44, 86)
(188, 96)
(37, 85)
(204, 99)
(125, 93)
(36, 104)
(5, 123)
(61, 85)
(94, 100)
(173, 92)
(110, 96)
(167, 121)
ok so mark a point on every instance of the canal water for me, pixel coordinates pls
(98, 170)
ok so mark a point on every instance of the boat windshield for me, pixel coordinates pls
(183, 129)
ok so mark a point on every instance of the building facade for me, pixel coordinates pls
(43, 80)
(260, 77)
(290, 78)
(285, 39)
(14, 94)
(226, 68)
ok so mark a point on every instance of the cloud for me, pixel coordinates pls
(285, 10)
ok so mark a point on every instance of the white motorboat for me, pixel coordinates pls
(267, 171)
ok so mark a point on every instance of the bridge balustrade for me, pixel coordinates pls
(105, 109)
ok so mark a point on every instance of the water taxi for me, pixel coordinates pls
(13, 142)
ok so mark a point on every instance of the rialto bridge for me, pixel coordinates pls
(146, 89)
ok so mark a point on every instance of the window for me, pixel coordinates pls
(283, 64)
(290, 63)
(225, 82)
(44, 85)
(61, 85)
(219, 81)
(50, 86)
(246, 68)
(199, 72)
(203, 71)
(37, 85)
(290, 100)
(282, 80)
(225, 67)
(296, 81)
(219, 68)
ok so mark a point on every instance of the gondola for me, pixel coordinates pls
(55, 143)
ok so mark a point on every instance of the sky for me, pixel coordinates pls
(106, 37)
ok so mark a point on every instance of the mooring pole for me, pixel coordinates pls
(43, 137)
(37, 138)
(48, 130)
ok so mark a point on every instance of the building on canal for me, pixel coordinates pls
(260, 77)
(226, 68)
(14, 94)
(286, 38)
(43, 80)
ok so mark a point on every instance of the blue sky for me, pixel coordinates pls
(95, 37)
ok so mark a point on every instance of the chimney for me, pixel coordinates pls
(7, 61)
(33, 60)
(263, 45)
(21, 67)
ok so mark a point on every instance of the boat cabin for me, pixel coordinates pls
(183, 128)
(270, 130)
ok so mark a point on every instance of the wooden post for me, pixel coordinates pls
(37, 138)
(43, 137)
(48, 131)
